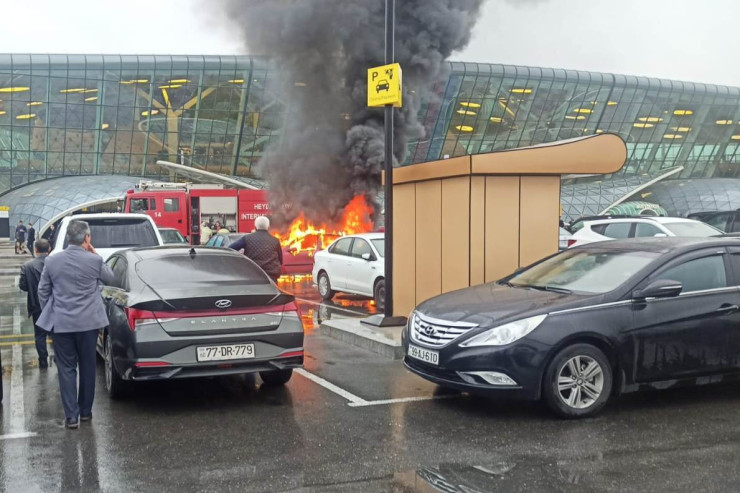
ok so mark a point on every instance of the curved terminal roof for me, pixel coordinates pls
(43, 202)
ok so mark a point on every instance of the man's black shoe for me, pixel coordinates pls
(72, 424)
(86, 418)
(43, 364)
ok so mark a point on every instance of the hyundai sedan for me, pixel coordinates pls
(589, 323)
(181, 312)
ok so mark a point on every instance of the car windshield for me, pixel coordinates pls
(121, 233)
(693, 229)
(592, 271)
(379, 245)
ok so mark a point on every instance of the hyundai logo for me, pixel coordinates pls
(223, 304)
(429, 330)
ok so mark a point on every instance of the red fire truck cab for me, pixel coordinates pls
(186, 206)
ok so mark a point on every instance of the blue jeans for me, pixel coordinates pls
(70, 350)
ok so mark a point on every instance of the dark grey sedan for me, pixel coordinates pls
(180, 312)
(589, 323)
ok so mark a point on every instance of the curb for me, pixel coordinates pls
(351, 331)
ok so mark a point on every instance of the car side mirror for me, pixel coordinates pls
(368, 256)
(662, 288)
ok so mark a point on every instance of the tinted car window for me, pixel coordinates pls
(584, 271)
(719, 221)
(341, 247)
(171, 236)
(617, 230)
(698, 274)
(121, 233)
(643, 230)
(200, 269)
(361, 247)
(119, 273)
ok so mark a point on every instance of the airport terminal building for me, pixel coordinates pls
(66, 116)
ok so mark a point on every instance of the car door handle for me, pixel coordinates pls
(727, 308)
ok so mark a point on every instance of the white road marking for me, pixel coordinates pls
(355, 401)
(352, 398)
(17, 281)
(332, 307)
(401, 400)
(24, 434)
(16, 320)
(17, 408)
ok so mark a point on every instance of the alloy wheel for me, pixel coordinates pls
(580, 382)
(323, 285)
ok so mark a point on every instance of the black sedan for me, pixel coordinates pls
(180, 312)
(588, 323)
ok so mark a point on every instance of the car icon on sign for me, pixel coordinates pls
(382, 85)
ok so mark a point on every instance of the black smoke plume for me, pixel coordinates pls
(332, 145)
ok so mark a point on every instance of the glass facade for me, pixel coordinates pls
(483, 108)
(82, 114)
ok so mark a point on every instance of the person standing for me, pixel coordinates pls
(71, 308)
(31, 239)
(205, 233)
(262, 248)
(29, 282)
(20, 238)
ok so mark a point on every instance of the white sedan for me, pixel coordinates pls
(352, 264)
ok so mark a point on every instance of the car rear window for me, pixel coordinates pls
(121, 233)
(200, 269)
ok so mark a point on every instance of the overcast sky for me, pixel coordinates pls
(678, 39)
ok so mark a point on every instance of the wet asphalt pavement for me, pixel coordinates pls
(232, 434)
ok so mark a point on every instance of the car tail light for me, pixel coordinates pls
(571, 242)
(137, 318)
(292, 307)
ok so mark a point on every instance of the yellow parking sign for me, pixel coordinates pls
(384, 86)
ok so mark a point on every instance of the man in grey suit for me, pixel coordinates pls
(73, 310)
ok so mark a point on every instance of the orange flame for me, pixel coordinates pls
(303, 235)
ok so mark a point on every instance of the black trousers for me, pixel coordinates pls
(40, 335)
(70, 350)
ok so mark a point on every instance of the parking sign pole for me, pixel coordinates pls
(390, 7)
(387, 319)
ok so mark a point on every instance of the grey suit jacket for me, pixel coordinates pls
(69, 293)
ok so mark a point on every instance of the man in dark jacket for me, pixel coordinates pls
(31, 238)
(20, 238)
(262, 248)
(29, 282)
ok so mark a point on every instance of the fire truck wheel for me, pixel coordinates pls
(325, 287)
(379, 292)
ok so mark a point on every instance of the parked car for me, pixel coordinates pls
(112, 232)
(588, 323)
(564, 236)
(223, 240)
(639, 227)
(180, 312)
(352, 264)
(297, 259)
(726, 221)
(171, 236)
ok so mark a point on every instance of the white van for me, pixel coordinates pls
(112, 232)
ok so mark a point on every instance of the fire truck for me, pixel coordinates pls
(185, 206)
